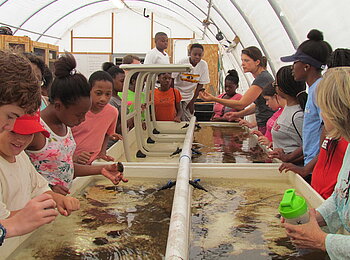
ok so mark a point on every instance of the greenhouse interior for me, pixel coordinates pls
(188, 129)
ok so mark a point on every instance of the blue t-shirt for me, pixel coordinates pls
(312, 126)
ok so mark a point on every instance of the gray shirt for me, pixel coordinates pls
(116, 102)
(262, 111)
(285, 134)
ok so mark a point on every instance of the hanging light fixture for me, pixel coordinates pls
(118, 3)
(219, 36)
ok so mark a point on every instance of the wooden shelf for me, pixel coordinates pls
(52, 55)
(41, 49)
(17, 43)
(48, 52)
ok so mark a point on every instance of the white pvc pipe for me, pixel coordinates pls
(179, 229)
(150, 70)
(124, 116)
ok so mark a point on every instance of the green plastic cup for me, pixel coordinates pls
(293, 208)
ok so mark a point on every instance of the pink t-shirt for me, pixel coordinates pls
(90, 134)
(220, 110)
(271, 122)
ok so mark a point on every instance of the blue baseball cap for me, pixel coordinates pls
(303, 57)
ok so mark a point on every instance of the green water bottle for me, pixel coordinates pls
(293, 208)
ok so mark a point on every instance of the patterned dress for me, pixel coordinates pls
(55, 160)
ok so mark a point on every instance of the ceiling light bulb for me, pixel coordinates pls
(118, 3)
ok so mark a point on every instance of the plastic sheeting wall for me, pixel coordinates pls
(255, 22)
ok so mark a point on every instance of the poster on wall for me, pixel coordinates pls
(89, 63)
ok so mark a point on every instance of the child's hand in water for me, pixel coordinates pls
(82, 158)
(111, 172)
(66, 205)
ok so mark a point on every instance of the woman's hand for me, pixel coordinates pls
(231, 116)
(307, 235)
(204, 95)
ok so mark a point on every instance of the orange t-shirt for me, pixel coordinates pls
(164, 104)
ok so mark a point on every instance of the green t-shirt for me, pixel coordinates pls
(131, 101)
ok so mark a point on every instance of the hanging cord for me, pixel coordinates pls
(147, 17)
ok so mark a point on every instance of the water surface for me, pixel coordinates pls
(226, 144)
(129, 221)
(238, 219)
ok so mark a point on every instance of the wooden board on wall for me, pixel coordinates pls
(211, 56)
(47, 52)
(2, 43)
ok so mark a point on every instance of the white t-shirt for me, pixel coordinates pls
(19, 183)
(156, 57)
(186, 82)
(287, 128)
